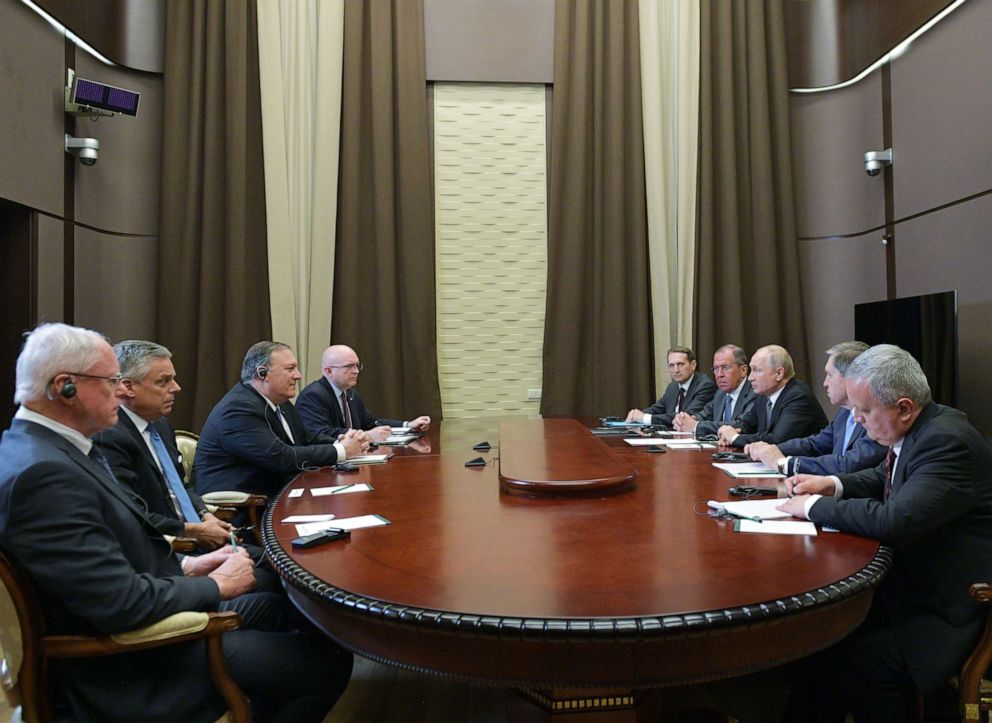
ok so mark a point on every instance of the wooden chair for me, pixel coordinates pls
(27, 650)
(974, 689)
(226, 503)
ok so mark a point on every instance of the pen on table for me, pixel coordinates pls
(769, 473)
(739, 516)
(342, 489)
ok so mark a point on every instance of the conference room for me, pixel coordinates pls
(511, 210)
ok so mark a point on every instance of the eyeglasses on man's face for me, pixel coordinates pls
(348, 367)
(112, 381)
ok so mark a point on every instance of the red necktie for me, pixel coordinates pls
(890, 460)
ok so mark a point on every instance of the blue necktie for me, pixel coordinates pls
(848, 432)
(728, 409)
(172, 477)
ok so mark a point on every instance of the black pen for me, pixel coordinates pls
(343, 488)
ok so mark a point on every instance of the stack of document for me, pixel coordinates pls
(397, 440)
(762, 516)
(367, 459)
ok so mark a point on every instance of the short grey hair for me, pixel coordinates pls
(52, 349)
(891, 374)
(258, 356)
(779, 356)
(844, 353)
(740, 356)
(136, 355)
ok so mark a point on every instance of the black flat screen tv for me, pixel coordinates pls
(926, 326)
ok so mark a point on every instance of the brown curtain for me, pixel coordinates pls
(384, 302)
(212, 262)
(597, 338)
(748, 285)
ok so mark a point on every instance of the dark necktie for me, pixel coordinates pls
(172, 477)
(728, 409)
(681, 403)
(768, 414)
(890, 461)
(97, 456)
(346, 410)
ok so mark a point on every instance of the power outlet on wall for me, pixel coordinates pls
(533, 395)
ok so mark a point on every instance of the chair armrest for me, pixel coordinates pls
(177, 628)
(185, 545)
(235, 499)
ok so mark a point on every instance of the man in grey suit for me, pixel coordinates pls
(841, 446)
(734, 396)
(931, 501)
(688, 392)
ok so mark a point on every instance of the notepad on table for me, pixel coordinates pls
(368, 459)
(747, 469)
(777, 527)
(341, 489)
(763, 509)
(344, 523)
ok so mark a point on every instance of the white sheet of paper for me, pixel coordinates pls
(650, 441)
(298, 492)
(340, 489)
(777, 527)
(400, 430)
(345, 523)
(307, 518)
(763, 508)
(747, 469)
(682, 444)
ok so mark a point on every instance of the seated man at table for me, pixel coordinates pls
(841, 446)
(785, 407)
(330, 405)
(101, 567)
(734, 396)
(141, 448)
(254, 440)
(688, 392)
(931, 502)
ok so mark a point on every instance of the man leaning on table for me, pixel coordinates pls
(688, 391)
(330, 405)
(734, 396)
(785, 407)
(931, 502)
(842, 445)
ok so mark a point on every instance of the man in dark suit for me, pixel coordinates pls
(785, 407)
(141, 447)
(100, 566)
(254, 439)
(931, 501)
(841, 446)
(733, 399)
(330, 405)
(688, 392)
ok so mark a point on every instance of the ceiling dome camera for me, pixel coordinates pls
(87, 150)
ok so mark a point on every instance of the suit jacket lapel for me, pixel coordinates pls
(336, 418)
(139, 439)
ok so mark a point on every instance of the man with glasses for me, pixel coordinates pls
(330, 405)
(254, 440)
(100, 566)
(689, 392)
(734, 396)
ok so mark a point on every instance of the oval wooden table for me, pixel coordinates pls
(580, 601)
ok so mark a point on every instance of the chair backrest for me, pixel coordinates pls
(24, 678)
(186, 442)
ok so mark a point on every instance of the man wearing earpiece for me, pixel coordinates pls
(254, 440)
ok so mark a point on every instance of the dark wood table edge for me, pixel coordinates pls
(578, 629)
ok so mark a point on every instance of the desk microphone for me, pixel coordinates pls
(482, 447)
(477, 462)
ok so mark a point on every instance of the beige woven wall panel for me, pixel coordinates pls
(491, 247)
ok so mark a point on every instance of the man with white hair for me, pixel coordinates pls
(100, 566)
(930, 500)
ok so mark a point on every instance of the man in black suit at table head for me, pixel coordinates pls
(784, 408)
(931, 501)
(99, 565)
(688, 392)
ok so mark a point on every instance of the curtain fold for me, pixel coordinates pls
(300, 53)
(212, 280)
(384, 291)
(597, 343)
(748, 289)
(669, 37)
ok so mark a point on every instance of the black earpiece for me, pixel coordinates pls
(262, 372)
(68, 390)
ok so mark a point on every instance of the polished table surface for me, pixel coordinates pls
(635, 588)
